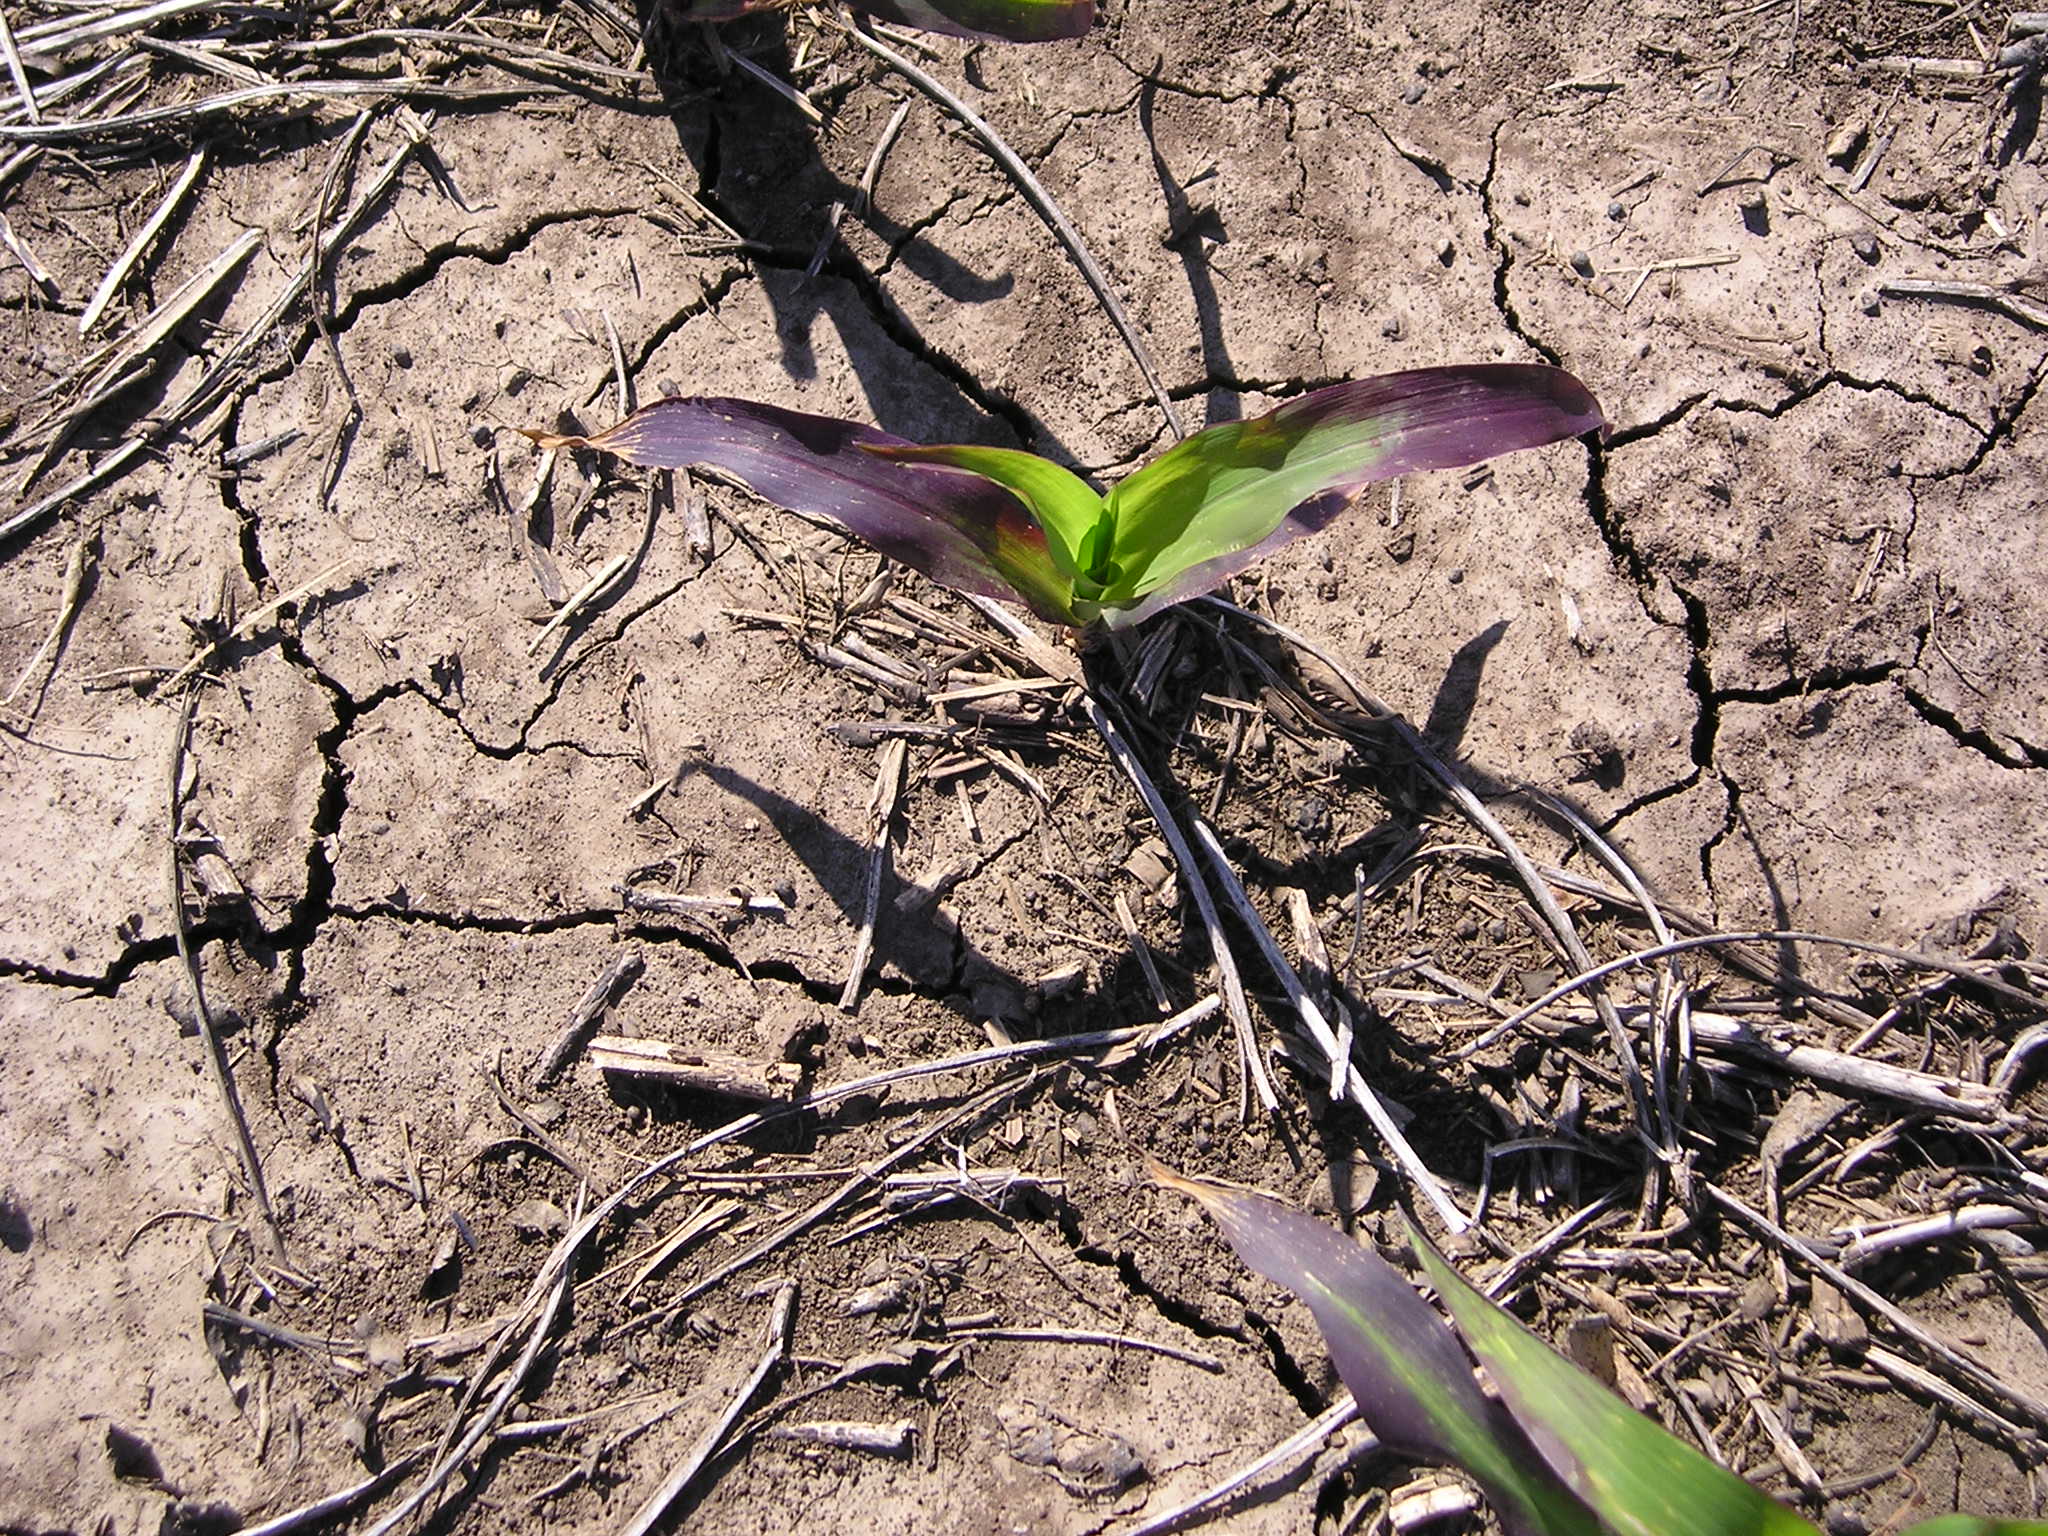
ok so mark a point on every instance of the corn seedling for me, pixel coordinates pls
(1555, 1453)
(999, 522)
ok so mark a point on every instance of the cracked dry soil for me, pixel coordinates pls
(1783, 637)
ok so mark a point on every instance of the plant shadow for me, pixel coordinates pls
(931, 953)
(759, 168)
(1189, 230)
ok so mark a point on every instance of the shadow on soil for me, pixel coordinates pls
(758, 168)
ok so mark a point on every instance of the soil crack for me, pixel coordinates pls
(2004, 428)
(434, 258)
(316, 905)
(138, 954)
(1822, 679)
(1623, 436)
(1503, 253)
(1286, 1369)
(572, 661)
(1438, 173)
(1171, 1308)
(709, 296)
(1731, 816)
(1980, 741)
(1799, 393)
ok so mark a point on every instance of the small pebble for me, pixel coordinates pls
(1868, 301)
(1582, 263)
(1414, 92)
(1446, 252)
(1392, 328)
(1312, 818)
(539, 1218)
(1845, 141)
(1865, 246)
(480, 435)
(1756, 213)
(1616, 212)
(1455, 576)
(402, 356)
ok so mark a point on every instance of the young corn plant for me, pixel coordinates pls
(1013, 21)
(999, 522)
(1556, 1454)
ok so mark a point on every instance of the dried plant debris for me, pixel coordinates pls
(626, 1008)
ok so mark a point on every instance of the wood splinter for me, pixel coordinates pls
(851, 1435)
(706, 1068)
(589, 1013)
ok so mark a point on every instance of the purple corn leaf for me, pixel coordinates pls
(1971, 1525)
(1412, 1380)
(955, 526)
(1015, 21)
(1638, 1479)
(1225, 496)
(1064, 505)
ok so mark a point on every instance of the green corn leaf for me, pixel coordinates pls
(1075, 521)
(1227, 490)
(1638, 1479)
(1412, 1381)
(1563, 1455)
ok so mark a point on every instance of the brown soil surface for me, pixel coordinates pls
(1783, 638)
